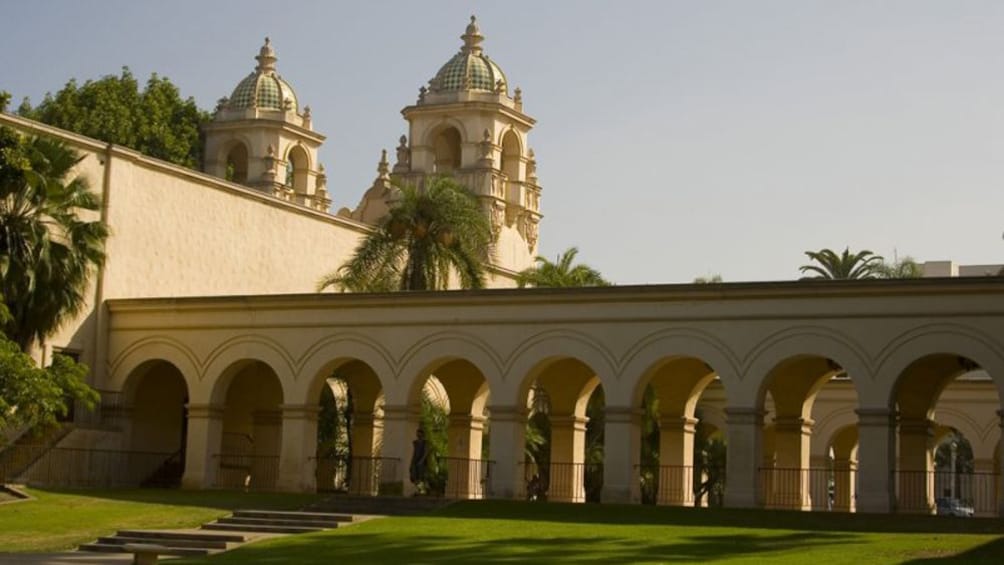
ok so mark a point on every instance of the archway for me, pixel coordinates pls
(252, 427)
(567, 403)
(788, 477)
(156, 395)
(297, 168)
(451, 398)
(446, 148)
(350, 430)
(236, 164)
(510, 162)
(922, 481)
(681, 459)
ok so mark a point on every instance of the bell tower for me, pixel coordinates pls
(466, 124)
(259, 137)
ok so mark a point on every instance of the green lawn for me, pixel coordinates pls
(62, 519)
(508, 532)
(511, 532)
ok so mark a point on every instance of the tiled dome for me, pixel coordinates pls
(263, 88)
(470, 69)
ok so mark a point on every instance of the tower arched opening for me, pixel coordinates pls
(446, 146)
(297, 169)
(236, 163)
(511, 153)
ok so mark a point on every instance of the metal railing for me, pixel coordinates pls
(364, 476)
(559, 481)
(681, 485)
(806, 488)
(246, 472)
(919, 491)
(80, 467)
(466, 478)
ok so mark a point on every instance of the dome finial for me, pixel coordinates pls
(266, 57)
(472, 37)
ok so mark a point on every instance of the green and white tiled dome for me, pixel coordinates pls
(263, 88)
(470, 69)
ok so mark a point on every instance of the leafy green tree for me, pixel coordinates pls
(427, 237)
(561, 273)
(155, 121)
(710, 279)
(34, 397)
(830, 266)
(4, 100)
(47, 251)
(905, 268)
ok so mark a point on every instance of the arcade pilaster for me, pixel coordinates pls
(205, 433)
(298, 448)
(876, 452)
(508, 434)
(745, 427)
(621, 449)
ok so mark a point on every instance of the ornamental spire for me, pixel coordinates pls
(472, 38)
(266, 58)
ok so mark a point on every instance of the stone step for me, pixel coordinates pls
(219, 525)
(200, 543)
(278, 522)
(162, 535)
(327, 517)
(119, 548)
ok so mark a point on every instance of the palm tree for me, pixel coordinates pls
(861, 265)
(425, 238)
(560, 273)
(47, 252)
(905, 268)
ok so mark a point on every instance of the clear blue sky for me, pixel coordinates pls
(674, 139)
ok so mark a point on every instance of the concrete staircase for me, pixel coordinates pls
(221, 535)
(177, 543)
(277, 522)
(379, 505)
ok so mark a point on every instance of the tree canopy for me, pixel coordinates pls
(156, 121)
(830, 266)
(427, 237)
(47, 250)
(905, 268)
(560, 273)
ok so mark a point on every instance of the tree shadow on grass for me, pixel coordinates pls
(721, 517)
(991, 552)
(389, 548)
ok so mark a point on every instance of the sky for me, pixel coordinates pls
(674, 139)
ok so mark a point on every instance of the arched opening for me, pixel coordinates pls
(564, 443)
(450, 453)
(446, 147)
(236, 167)
(350, 431)
(510, 156)
(252, 428)
(789, 477)
(843, 461)
(157, 394)
(297, 167)
(926, 479)
(682, 459)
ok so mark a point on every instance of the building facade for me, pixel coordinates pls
(211, 347)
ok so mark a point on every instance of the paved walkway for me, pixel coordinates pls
(65, 557)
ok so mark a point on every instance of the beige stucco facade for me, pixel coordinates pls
(768, 349)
